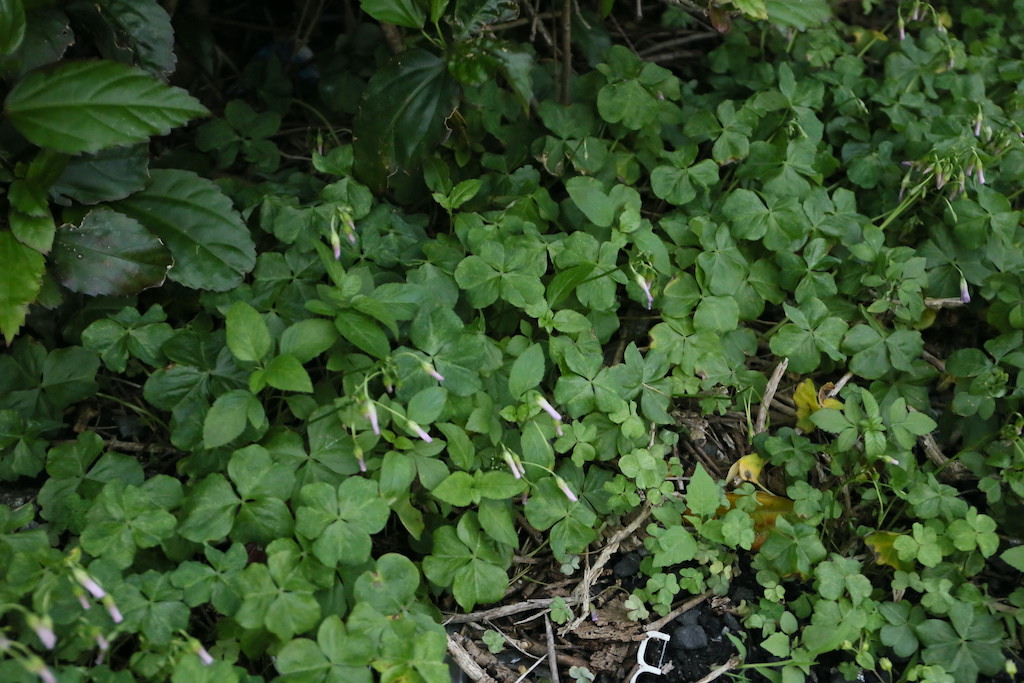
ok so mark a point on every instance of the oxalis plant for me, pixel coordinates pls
(275, 404)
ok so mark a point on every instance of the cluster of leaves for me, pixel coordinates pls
(480, 318)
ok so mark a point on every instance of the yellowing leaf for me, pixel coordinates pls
(747, 468)
(881, 544)
(769, 507)
(809, 400)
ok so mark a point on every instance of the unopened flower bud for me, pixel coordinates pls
(112, 609)
(204, 656)
(88, 583)
(420, 432)
(370, 411)
(965, 294)
(548, 408)
(43, 627)
(335, 243)
(645, 285)
(430, 370)
(565, 489)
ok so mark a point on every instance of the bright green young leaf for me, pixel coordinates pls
(286, 373)
(363, 332)
(675, 546)
(108, 253)
(426, 405)
(87, 106)
(211, 246)
(527, 371)
(307, 339)
(247, 334)
(703, 494)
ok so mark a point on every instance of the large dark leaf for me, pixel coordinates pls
(131, 31)
(103, 177)
(211, 246)
(109, 253)
(47, 35)
(77, 107)
(12, 25)
(473, 15)
(403, 115)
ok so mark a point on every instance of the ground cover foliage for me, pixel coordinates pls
(393, 310)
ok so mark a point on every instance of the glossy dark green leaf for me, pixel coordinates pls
(108, 253)
(92, 105)
(211, 246)
(106, 176)
(408, 13)
(12, 25)
(403, 115)
(140, 28)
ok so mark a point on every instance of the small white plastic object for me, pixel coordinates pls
(643, 667)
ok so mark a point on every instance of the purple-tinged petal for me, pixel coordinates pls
(548, 408)
(430, 370)
(420, 432)
(566, 490)
(371, 413)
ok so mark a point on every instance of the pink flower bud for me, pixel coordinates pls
(88, 583)
(513, 463)
(335, 243)
(43, 627)
(204, 656)
(646, 286)
(420, 432)
(430, 370)
(370, 411)
(965, 294)
(548, 408)
(565, 489)
(115, 613)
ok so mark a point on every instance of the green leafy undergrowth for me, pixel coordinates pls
(500, 323)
